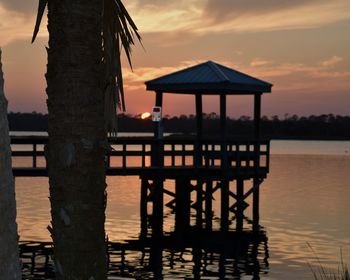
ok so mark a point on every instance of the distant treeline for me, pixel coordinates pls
(289, 127)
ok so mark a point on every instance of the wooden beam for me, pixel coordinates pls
(158, 212)
(240, 208)
(143, 206)
(209, 205)
(199, 129)
(199, 116)
(223, 116)
(224, 155)
(159, 99)
(182, 206)
(169, 193)
(199, 204)
(157, 155)
(256, 198)
(257, 115)
(224, 205)
(158, 125)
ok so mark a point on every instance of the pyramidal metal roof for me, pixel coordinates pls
(209, 78)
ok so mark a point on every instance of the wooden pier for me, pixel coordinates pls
(199, 164)
(132, 156)
(183, 164)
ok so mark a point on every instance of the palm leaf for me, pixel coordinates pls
(119, 32)
(41, 9)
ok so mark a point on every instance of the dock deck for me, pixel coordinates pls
(133, 156)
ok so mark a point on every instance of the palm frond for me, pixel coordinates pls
(1, 75)
(119, 32)
(41, 9)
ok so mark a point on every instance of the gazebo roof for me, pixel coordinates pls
(208, 78)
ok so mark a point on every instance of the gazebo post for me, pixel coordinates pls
(224, 164)
(158, 126)
(157, 159)
(143, 207)
(223, 116)
(199, 129)
(198, 158)
(257, 117)
(257, 125)
(159, 98)
(182, 205)
(158, 184)
(199, 116)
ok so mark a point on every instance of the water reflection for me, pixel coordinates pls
(305, 199)
(198, 255)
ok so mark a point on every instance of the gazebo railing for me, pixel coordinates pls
(143, 153)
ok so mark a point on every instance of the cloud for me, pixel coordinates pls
(259, 62)
(332, 61)
(22, 6)
(306, 82)
(287, 77)
(140, 75)
(198, 17)
(157, 3)
(270, 15)
(290, 77)
(302, 69)
(220, 10)
(165, 15)
(15, 26)
(202, 17)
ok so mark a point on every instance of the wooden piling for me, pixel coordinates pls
(256, 198)
(199, 204)
(143, 207)
(224, 204)
(240, 208)
(182, 205)
(209, 205)
(158, 211)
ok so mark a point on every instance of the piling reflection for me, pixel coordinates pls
(198, 255)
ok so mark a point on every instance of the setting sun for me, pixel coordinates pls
(145, 115)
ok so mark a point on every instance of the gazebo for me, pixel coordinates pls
(239, 161)
(210, 78)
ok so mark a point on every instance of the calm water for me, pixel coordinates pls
(304, 200)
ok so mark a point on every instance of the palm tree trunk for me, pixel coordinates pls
(77, 138)
(9, 260)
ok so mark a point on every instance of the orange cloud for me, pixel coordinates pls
(197, 16)
(332, 61)
(14, 25)
(289, 78)
(259, 62)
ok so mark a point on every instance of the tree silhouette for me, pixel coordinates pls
(85, 40)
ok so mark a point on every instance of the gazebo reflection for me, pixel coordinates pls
(216, 255)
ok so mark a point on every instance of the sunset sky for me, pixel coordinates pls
(300, 46)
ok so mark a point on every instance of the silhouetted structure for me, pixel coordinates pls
(227, 255)
(216, 161)
(197, 164)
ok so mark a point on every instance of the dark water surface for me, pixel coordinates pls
(305, 199)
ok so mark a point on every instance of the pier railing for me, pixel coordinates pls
(136, 155)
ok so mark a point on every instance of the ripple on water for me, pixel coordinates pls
(304, 200)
